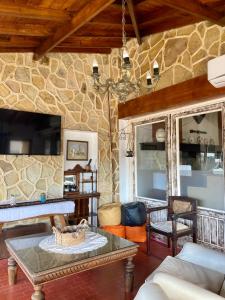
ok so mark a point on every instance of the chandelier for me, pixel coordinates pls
(124, 86)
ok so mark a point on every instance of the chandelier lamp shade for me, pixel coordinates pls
(124, 86)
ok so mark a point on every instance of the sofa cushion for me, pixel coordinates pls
(203, 256)
(150, 290)
(166, 226)
(206, 278)
(222, 291)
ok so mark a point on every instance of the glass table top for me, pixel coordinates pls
(35, 260)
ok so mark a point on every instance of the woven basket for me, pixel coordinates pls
(71, 235)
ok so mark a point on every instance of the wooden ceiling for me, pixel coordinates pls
(94, 26)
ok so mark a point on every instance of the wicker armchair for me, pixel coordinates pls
(178, 207)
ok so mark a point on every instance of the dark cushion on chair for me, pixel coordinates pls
(133, 214)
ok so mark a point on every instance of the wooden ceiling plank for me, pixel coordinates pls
(196, 9)
(89, 11)
(87, 41)
(185, 93)
(132, 13)
(18, 44)
(168, 24)
(158, 15)
(16, 49)
(28, 12)
(10, 28)
(82, 50)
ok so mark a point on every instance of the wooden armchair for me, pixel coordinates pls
(178, 207)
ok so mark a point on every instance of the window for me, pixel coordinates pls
(151, 166)
(200, 172)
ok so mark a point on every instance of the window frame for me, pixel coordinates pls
(166, 120)
(175, 143)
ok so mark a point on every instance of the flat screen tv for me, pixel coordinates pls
(29, 133)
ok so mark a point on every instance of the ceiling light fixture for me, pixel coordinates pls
(124, 86)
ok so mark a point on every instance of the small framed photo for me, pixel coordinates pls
(77, 150)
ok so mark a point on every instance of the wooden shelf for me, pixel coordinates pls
(153, 146)
(198, 148)
(77, 195)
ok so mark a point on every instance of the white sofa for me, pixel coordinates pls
(195, 273)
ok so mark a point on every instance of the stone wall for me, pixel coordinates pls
(182, 53)
(62, 86)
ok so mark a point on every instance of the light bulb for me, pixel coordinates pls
(125, 53)
(126, 58)
(148, 75)
(148, 78)
(95, 66)
(156, 68)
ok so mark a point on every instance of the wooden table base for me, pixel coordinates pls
(38, 294)
(12, 271)
(129, 275)
(39, 279)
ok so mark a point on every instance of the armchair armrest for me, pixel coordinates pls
(156, 208)
(183, 214)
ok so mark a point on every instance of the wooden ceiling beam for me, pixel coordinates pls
(28, 12)
(132, 13)
(188, 92)
(88, 12)
(195, 9)
(82, 50)
(9, 28)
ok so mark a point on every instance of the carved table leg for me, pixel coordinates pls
(52, 220)
(62, 220)
(129, 275)
(12, 271)
(38, 294)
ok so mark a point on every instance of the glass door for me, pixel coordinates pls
(151, 161)
(200, 159)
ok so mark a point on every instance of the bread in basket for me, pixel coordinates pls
(71, 235)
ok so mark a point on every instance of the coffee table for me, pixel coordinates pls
(41, 266)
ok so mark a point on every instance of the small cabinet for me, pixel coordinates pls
(87, 182)
(80, 182)
(81, 186)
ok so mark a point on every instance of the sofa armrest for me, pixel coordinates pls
(203, 256)
(177, 289)
(151, 291)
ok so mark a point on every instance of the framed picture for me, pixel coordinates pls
(77, 150)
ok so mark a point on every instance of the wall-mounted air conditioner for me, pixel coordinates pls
(216, 71)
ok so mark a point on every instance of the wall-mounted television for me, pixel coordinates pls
(29, 133)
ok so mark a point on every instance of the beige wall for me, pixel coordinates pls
(61, 86)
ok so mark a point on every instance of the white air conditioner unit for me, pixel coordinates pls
(216, 71)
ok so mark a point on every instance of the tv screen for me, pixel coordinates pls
(29, 133)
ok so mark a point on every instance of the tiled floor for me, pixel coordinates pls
(104, 283)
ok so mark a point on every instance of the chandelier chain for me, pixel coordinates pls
(124, 39)
(124, 86)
